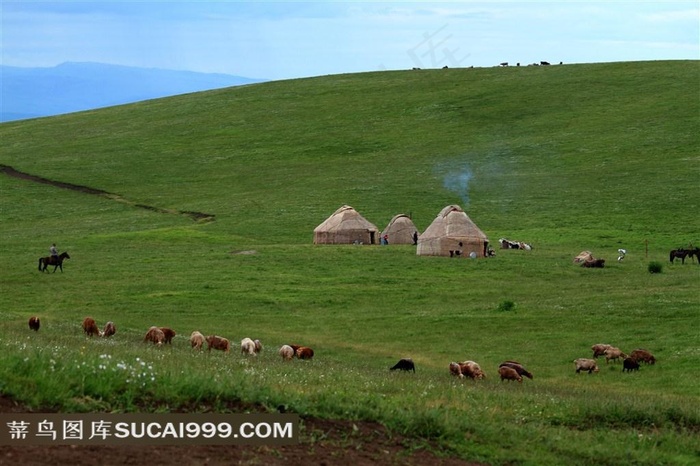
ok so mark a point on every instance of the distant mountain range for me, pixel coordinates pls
(72, 87)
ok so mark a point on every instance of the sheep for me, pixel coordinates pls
(599, 349)
(248, 346)
(630, 364)
(218, 343)
(508, 373)
(456, 370)
(155, 336)
(583, 364)
(90, 327)
(305, 352)
(109, 330)
(614, 354)
(34, 323)
(168, 335)
(405, 364)
(286, 352)
(258, 346)
(472, 370)
(196, 340)
(518, 368)
(643, 355)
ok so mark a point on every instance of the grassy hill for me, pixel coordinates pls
(567, 157)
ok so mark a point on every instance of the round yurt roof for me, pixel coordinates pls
(452, 221)
(345, 218)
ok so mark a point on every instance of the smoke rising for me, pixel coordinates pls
(456, 179)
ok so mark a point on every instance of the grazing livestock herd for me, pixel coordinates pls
(507, 370)
(629, 362)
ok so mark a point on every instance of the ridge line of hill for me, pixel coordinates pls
(9, 171)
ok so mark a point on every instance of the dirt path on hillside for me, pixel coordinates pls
(322, 442)
(9, 171)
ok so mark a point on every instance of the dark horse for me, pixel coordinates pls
(56, 261)
(682, 254)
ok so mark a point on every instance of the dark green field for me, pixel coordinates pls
(568, 158)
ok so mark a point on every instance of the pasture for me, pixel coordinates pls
(567, 158)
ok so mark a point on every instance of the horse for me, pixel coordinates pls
(694, 252)
(681, 254)
(56, 261)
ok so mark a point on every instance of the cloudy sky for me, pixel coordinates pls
(280, 40)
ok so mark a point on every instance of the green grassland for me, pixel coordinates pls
(569, 158)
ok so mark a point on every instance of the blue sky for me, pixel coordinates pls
(280, 40)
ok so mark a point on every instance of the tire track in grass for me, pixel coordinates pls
(196, 216)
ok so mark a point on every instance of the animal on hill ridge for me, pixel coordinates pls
(34, 323)
(56, 261)
(90, 327)
(404, 364)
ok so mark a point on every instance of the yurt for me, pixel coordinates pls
(346, 226)
(400, 230)
(453, 234)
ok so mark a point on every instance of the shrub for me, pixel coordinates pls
(655, 267)
(506, 306)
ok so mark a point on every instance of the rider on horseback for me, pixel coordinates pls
(53, 251)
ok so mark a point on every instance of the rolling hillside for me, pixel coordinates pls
(535, 150)
(196, 212)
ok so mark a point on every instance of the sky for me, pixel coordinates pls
(286, 40)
